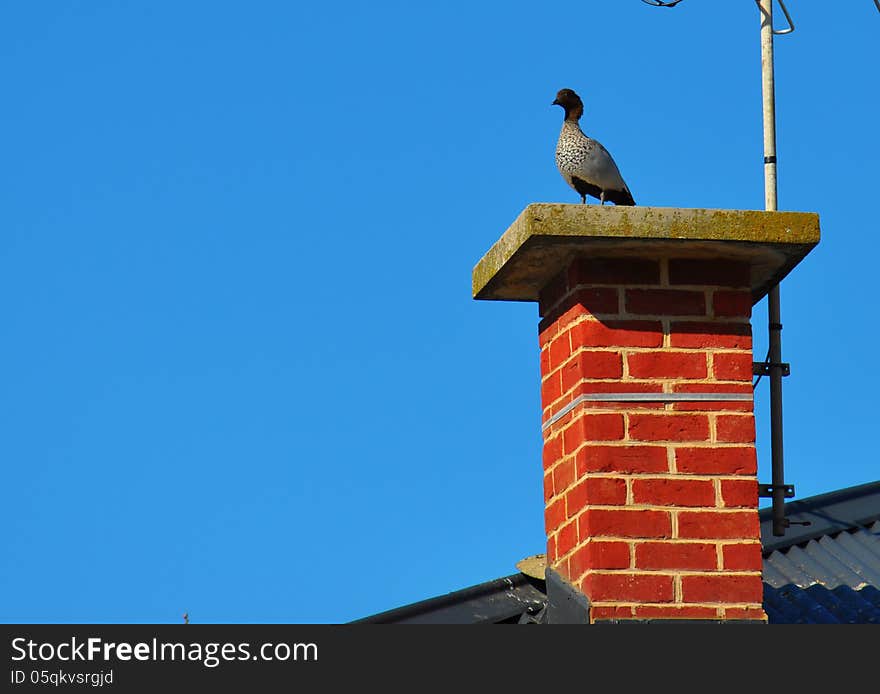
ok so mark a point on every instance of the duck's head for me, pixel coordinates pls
(571, 102)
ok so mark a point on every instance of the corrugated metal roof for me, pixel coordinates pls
(829, 572)
(820, 605)
(850, 558)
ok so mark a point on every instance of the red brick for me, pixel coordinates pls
(548, 487)
(733, 366)
(566, 539)
(712, 388)
(617, 333)
(745, 613)
(624, 523)
(551, 389)
(591, 365)
(676, 555)
(598, 555)
(563, 475)
(735, 428)
(722, 588)
(668, 427)
(739, 493)
(743, 557)
(627, 587)
(729, 304)
(592, 427)
(712, 406)
(708, 405)
(551, 550)
(593, 301)
(602, 612)
(665, 302)
(673, 492)
(739, 460)
(552, 294)
(613, 271)
(705, 334)
(595, 491)
(561, 423)
(554, 515)
(623, 459)
(719, 273)
(618, 387)
(718, 525)
(675, 612)
(667, 365)
(552, 451)
(559, 320)
(560, 350)
(598, 300)
(544, 361)
(546, 333)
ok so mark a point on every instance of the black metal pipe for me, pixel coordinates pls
(780, 523)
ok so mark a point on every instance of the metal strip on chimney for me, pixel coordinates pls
(646, 397)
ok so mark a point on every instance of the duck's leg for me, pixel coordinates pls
(584, 199)
(602, 197)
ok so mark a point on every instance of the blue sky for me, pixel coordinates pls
(243, 374)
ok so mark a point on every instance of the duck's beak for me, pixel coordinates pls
(556, 103)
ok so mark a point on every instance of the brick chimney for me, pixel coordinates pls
(649, 458)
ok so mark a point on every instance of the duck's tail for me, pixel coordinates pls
(620, 197)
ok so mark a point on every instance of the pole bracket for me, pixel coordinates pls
(768, 489)
(765, 368)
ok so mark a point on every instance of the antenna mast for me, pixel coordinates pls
(774, 312)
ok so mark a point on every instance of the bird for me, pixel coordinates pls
(583, 162)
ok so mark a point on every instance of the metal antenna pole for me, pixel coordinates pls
(780, 523)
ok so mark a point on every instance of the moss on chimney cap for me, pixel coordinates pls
(546, 237)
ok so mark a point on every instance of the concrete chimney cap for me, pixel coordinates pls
(546, 237)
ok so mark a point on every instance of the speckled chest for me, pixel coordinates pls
(573, 149)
